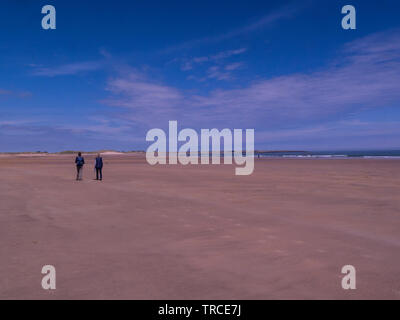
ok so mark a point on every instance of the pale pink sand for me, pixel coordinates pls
(199, 232)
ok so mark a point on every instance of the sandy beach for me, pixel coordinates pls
(199, 232)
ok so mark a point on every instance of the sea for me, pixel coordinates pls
(339, 154)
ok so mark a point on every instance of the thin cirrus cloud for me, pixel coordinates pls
(227, 54)
(214, 72)
(367, 77)
(233, 66)
(146, 101)
(268, 20)
(11, 93)
(188, 64)
(67, 69)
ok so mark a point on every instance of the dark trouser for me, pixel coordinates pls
(79, 170)
(99, 173)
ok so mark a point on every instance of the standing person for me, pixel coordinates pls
(79, 161)
(99, 167)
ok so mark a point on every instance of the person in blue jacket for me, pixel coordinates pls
(99, 167)
(79, 161)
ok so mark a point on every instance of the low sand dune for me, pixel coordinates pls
(199, 232)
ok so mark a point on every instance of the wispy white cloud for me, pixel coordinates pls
(233, 66)
(67, 69)
(105, 53)
(215, 72)
(12, 93)
(227, 54)
(188, 64)
(285, 12)
(147, 101)
(14, 122)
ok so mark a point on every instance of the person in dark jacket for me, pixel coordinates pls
(99, 167)
(79, 161)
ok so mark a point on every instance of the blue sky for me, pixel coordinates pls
(115, 69)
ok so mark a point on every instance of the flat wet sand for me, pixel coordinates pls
(199, 232)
